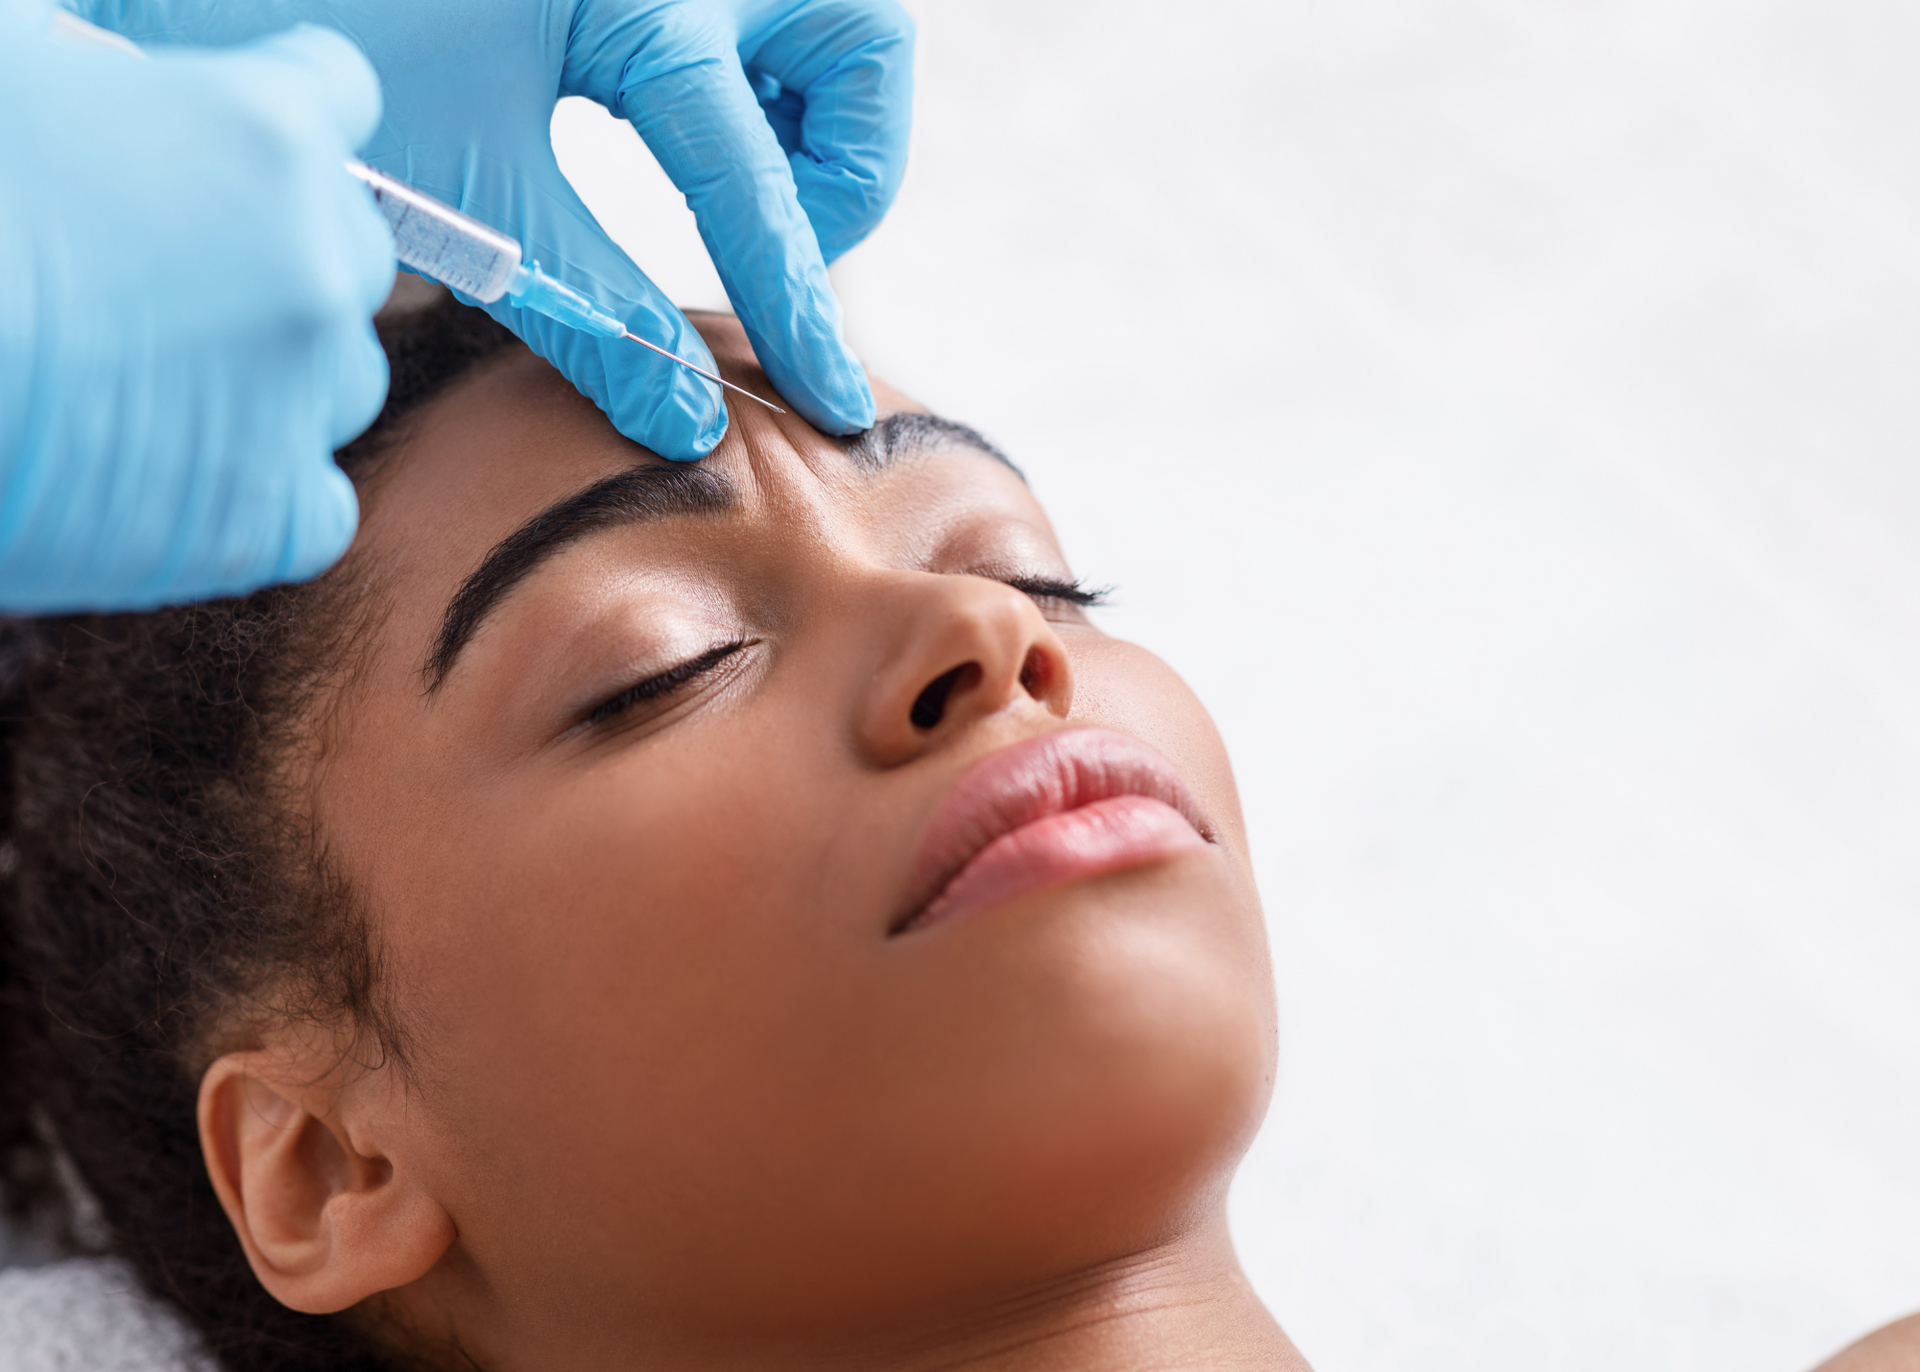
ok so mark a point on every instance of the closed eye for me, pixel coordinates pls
(666, 684)
(1064, 592)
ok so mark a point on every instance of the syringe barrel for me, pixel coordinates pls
(438, 241)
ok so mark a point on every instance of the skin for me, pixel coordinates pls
(1895, 1348)
(679, 1100)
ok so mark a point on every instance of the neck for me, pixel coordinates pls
(1185, 1305)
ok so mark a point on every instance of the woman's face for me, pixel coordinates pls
(656, 849)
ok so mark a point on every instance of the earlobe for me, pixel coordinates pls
(327, 1215)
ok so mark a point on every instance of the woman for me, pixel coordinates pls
(631, 915)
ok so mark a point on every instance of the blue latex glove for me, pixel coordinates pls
(184, 329)
(784, 122)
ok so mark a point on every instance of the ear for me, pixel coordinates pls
(315, 1180)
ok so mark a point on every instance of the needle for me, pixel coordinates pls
(741, 390)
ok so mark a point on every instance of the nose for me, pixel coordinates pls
(963, 650)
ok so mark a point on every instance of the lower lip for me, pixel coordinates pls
(1074, 845)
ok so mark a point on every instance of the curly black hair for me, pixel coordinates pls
(161, 891)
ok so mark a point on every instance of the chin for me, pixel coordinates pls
(1095, 1060)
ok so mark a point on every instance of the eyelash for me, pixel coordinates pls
(671, 680)
(1067, 592)
(666, 683)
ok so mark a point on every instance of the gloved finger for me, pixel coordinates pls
(690, 102)
(25, 20)
(359, 371)
(327, 70)
(363, 245)
(315, 87)
(322, 514)
(287, 520)
(313, 94)
(657, 403)
(838, 76)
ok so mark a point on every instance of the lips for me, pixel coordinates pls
(1054, 810)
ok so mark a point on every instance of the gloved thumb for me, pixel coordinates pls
(322, 514)
(359, 369)
(326, 66)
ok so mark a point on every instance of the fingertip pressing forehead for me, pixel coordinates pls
(904, 427)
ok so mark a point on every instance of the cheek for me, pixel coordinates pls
(630, 964)
(642, 903)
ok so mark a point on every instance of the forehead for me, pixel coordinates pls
(501, 444)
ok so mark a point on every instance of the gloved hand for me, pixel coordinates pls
(784, 122)
(184, 334)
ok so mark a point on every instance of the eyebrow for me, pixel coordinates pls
(650, 493)
(633, 497)
(898, 436)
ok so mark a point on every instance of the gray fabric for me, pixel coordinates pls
(89, 1315)
(18, 1249)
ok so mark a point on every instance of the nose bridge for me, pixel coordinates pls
(958, 649)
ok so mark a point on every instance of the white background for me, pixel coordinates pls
(1503, 411)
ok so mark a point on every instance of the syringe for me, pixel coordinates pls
(456, 250)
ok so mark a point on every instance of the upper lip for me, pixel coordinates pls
(1028, 781)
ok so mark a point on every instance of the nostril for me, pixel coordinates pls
(932, 703)
(1036, 674)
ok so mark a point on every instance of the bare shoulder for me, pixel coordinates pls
(1893, 1349)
